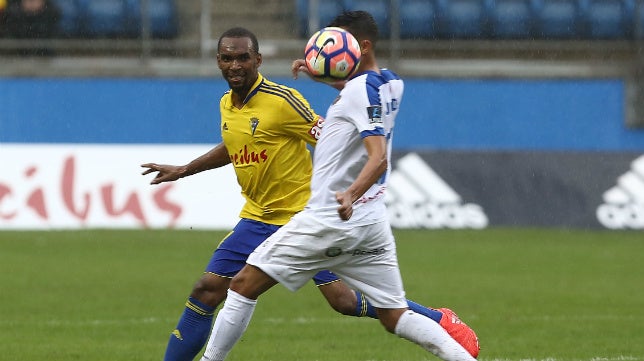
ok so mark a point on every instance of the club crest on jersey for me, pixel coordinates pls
(375, 114)
(253, 125)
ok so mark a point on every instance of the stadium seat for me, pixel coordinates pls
(69, 23)
(608, 19)
(639, 21)
(511, 19)
(327, 10)
(557, 19)
(418, 19)
(104, 18)
(379, 9)
(162, 18)
(301, 16)
(462, 19)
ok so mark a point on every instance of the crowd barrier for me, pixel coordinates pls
(70, 186)
(449, 189)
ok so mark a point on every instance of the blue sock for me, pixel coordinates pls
(364, 308)
(191, 333)
(425, 311)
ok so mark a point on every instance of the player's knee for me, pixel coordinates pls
(251, 282)
(344, 304)
(389, 318)
(341, 298)
(210, 289)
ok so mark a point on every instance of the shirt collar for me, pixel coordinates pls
(251, 93)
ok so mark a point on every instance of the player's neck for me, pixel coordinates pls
(368, 63)
(238, 100)
(239, 96)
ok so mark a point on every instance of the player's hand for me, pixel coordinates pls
(346, 205)
(299, 65)
(165, 173)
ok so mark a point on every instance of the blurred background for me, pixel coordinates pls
(461, 38)
(516, 112)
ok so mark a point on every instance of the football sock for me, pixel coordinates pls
(231, 322)
(364, 308)
(425, 311)
(191, 333)
(430, 336)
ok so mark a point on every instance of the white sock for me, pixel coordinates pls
(230, 324)
(430, 336)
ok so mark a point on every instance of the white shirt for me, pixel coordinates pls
(367, 106)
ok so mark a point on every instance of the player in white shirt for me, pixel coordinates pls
(344, 226)
(367, 106)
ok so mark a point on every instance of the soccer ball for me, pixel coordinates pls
(332, 54)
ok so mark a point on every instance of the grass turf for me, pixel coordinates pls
(531, 294)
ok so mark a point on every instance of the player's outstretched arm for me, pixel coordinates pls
(374, 168)
(215, 158)
(165, 172)
(299, 66)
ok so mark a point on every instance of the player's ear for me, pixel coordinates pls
(365, 46)
(259, 59)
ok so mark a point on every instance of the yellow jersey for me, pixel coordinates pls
(267, 143)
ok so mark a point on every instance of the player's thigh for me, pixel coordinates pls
(371, 267)
(293, 254)
(231, 254)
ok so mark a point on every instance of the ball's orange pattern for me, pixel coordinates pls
(332, 53)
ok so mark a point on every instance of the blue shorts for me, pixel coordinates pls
(231, 254)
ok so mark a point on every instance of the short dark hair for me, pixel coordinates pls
(239, 32)
(359, 23)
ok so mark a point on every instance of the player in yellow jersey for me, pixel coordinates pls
(265, 128)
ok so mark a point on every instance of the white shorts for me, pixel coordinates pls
(363, 257)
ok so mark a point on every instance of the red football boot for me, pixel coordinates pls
(460, 332)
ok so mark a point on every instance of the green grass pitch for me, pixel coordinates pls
(531, 294)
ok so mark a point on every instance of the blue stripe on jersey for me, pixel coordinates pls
(300, 107)
(388, 75)
(375, 81)
(250, 95)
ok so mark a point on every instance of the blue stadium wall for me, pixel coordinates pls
(552, 153)
(586, 115)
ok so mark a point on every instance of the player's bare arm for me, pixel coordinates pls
(375, 166)
(215, 158)
(299, 66)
